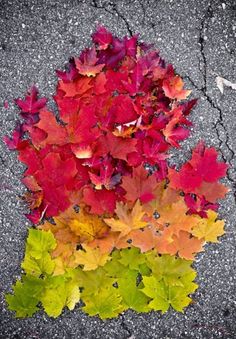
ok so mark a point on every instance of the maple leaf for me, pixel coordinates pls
(173, 132)
(101, 201)
(91, 258)
(105, 177)
(106, 304)
(118, 147)
(203, 166)
(109, 241)
(39, 242)
(165, 296)
(209, 228)
(102, 37)
(171, 269)
(26, 296)
(37, 258)
(171, 282)
(87, 226)
(145, 239)
(164, 197)
(31, 104)
(59, 292)
(14, 142)
(93, 281)
(136, 77)
(139, 186)
(132, 296)
(30, 157)
(78, 87)
(183, 244)
(54, 293)
(123, 110)
(47, 131)
(34, 199)
(132, 258)
(175, 216)
(58, 170)
(87, 63)
(173, 88)
(127, 221)
(71, 74)
(69, 229)
(212, 191)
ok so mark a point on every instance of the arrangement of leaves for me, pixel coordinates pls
(115, 227)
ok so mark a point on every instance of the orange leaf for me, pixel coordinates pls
(173, 88)
(145, 239)
(176, 217)
(183, 244)
(109, 242)
(78, 87)
(127, 221)
(139, 186)
(212, 191)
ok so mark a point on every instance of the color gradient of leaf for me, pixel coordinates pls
(127, 221)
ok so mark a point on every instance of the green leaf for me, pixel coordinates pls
(107, 303)
(37, 258)
(178, 298)
(165, 295)
(93, 281)
(132, 296)
(60, 291)
(26, 296)
(168, 267)
(43, 265)
(132, 258)
(39, 242)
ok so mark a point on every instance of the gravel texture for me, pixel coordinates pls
(198, 37)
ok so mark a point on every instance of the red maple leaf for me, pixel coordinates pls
(139, 185)
(14, 141)
(87, 63)
(100, 201)
(203, 167)
(102, 37)
(31, 104)
(118, 147)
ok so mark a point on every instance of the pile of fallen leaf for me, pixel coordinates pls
(115, 226)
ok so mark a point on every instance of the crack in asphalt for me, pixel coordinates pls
(114, 8)
(125, 326)
(204, 26)
(113, 11)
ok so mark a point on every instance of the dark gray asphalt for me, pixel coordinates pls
(198, 37)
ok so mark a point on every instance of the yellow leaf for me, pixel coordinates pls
(127, 221)
(91, 258)
(59, 266)
(87, 226)
(208, 228)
